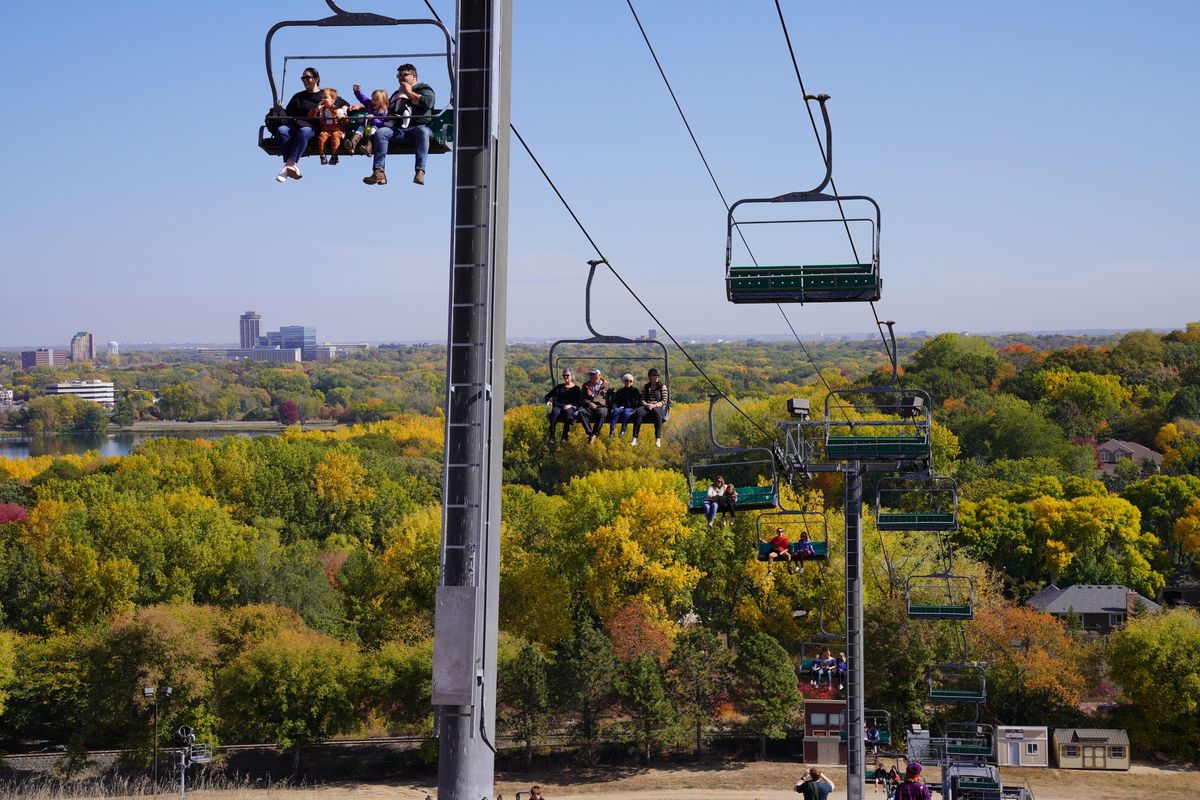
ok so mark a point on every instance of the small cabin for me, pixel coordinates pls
(824, 724)
(1091, 748)
(1022, 746)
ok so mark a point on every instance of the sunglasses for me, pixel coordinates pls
(308, 77)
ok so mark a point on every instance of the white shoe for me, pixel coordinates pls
(633, 442)
(282, 176)
(293, 171)
(658, 442)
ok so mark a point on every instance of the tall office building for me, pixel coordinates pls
(114, 349)
(42, 357)
(83, 347)
(289, 336)
(250, 328)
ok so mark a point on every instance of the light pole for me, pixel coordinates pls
(151, 693)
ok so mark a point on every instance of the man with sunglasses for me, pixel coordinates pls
(410, 110)
(296, 131)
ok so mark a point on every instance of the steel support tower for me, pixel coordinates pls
(468, 594)
(855, 748)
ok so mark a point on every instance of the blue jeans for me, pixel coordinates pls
(420, 135)
(293, 139)
(621, 414)
(710, 509)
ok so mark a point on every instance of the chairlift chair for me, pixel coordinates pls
(916, 502)
(794, 523)
(617, 353)
(972, 740)
(442, 122)
(941, 595)
(807, 283)
(751, 470)
(893, 424)
(882, 720)
(957, 683)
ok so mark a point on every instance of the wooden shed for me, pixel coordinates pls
(1091, 748)
(1022, 746)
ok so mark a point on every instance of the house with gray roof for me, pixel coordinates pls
(1100, 607)
(1109, 453)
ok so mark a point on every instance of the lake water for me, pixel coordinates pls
(107, 444)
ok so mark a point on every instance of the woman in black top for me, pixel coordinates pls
(562, 402)
(295, 131)
(654, 407)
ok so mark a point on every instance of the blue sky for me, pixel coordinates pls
(1035, 163)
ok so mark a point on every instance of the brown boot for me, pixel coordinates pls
(419, 178)
(376, 178)
(351, 143)
(367, 148)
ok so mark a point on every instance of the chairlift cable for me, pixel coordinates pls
(824, 158)
(717, 186)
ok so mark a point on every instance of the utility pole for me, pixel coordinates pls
(466, 619)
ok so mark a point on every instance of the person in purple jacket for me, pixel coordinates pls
(376, 116)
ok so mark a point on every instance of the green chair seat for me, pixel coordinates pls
(442, 126)
(915, 521)
(957, 695)
(820, 550)
(876, 447)
(750, 498)
(968, 749)
(811, 283)
(940, 612)
(977, 783)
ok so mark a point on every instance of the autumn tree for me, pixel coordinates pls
(1035, 668)
(8, 657)
(768, 690)
(298, 688)
(644, 699)
(524, 697)
(1155, 659)
(699, 673)
(585, 677)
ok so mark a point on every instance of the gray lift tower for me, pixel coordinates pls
(468, 595)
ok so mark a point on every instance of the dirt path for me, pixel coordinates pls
(747, 781)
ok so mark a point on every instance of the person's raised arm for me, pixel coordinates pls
(362, 98)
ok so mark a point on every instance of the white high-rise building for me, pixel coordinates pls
(114, 349)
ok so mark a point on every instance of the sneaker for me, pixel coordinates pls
(658, 442)
(622, 433)
(633, 443)
(376, 178)
(419, 177)
(333, 159)
(592, 439)
(324, 159)
(293, 171)
(282, 176)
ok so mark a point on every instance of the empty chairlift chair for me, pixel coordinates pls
(918, 502)
(796, 280)
(878, 424)
(957, 683)
(442, 123)
(970, 741)
(751, 470)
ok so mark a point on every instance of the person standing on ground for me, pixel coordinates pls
(410, 112)
(815, 785)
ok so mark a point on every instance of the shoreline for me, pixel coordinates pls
(173, 426)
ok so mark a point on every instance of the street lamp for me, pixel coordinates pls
(151, 693)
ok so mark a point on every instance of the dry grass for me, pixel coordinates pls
(727, 781)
